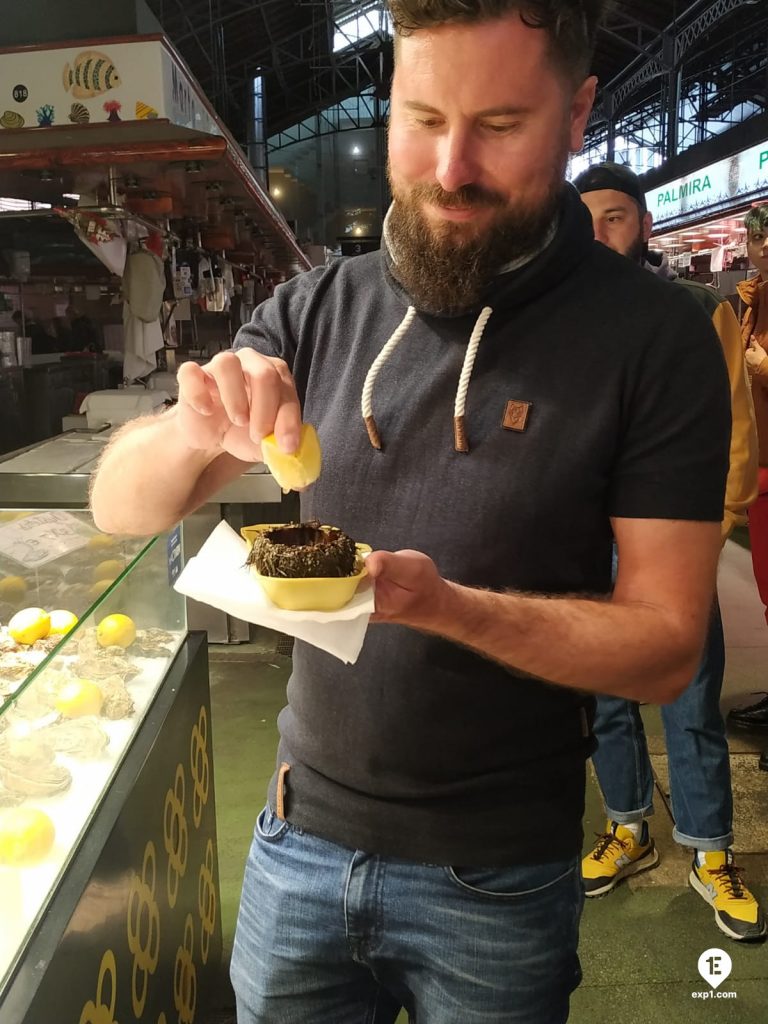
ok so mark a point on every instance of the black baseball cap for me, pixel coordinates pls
(609, 175)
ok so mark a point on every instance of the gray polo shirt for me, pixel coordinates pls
(620, 407)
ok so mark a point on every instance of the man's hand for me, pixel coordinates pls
(234, 401)
(409, 589)
(755, 354)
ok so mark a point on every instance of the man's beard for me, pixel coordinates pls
(638, 250)
(444, 269)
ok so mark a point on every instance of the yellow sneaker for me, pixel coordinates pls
(616, 855)
(718, 881)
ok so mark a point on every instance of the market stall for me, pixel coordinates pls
(134, 225)
(699, 219)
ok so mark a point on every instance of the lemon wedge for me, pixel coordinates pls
(294, 472)
(29, 625)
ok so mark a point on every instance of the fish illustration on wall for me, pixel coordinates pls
(79, 114)
(11, 119)
(144, 112)
(91, 74)
(44, 115)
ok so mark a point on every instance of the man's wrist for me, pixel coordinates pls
(458, 611)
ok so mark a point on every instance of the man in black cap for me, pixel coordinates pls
(699, 765)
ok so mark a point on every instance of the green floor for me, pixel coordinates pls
(640, 946)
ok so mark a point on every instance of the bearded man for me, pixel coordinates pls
(485, 432)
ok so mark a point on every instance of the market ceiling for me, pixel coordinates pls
(227, 42)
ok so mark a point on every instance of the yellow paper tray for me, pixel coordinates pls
(303, 594)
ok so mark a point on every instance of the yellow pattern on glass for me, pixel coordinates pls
(185, 976)
(175, 835)
(206, 902)
(99, 1012)
(143, 928)
(200, 766)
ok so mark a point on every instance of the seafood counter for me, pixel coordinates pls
(89, 628)
(60, 741)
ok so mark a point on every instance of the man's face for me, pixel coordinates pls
(757, 249)
(480, 130)
(618, 222)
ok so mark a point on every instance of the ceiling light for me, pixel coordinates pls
(70, 195)
(277, 191)
(356, 151)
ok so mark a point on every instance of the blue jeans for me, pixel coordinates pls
(699, 764)
(330, 935)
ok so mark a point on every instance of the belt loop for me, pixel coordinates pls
(281, 775)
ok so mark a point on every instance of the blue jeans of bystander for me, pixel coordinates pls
(697, 748)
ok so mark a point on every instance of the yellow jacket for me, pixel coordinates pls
(741, 488)
(754, 295)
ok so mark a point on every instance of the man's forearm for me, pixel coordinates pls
(628, 650)
(146, 479)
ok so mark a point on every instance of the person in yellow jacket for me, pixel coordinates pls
(754, 295)
(699, 764)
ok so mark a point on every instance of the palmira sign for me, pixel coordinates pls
(743, 176)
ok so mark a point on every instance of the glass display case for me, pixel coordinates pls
(89, 627)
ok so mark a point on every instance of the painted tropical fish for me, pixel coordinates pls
(92, 73)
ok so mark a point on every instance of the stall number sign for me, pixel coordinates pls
(43, 537)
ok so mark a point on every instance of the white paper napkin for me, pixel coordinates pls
(218, 576)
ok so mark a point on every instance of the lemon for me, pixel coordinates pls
(29, 625)
(108, 570)
(97, 589)
(26, 834)
(78, 698)
(12, 588)
(101, 541)
(62, 621)
(116, 631)
(293, 472)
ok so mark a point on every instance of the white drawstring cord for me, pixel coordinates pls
(373, 373)
(460, 442)
(459, 430)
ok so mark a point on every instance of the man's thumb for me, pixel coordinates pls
(377, 563)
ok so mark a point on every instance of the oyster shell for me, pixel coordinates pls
(118, 703)
(79, 737)
(8, 799)
(96, 662)
(27, 767)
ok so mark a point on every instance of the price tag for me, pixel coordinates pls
(43, 537)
